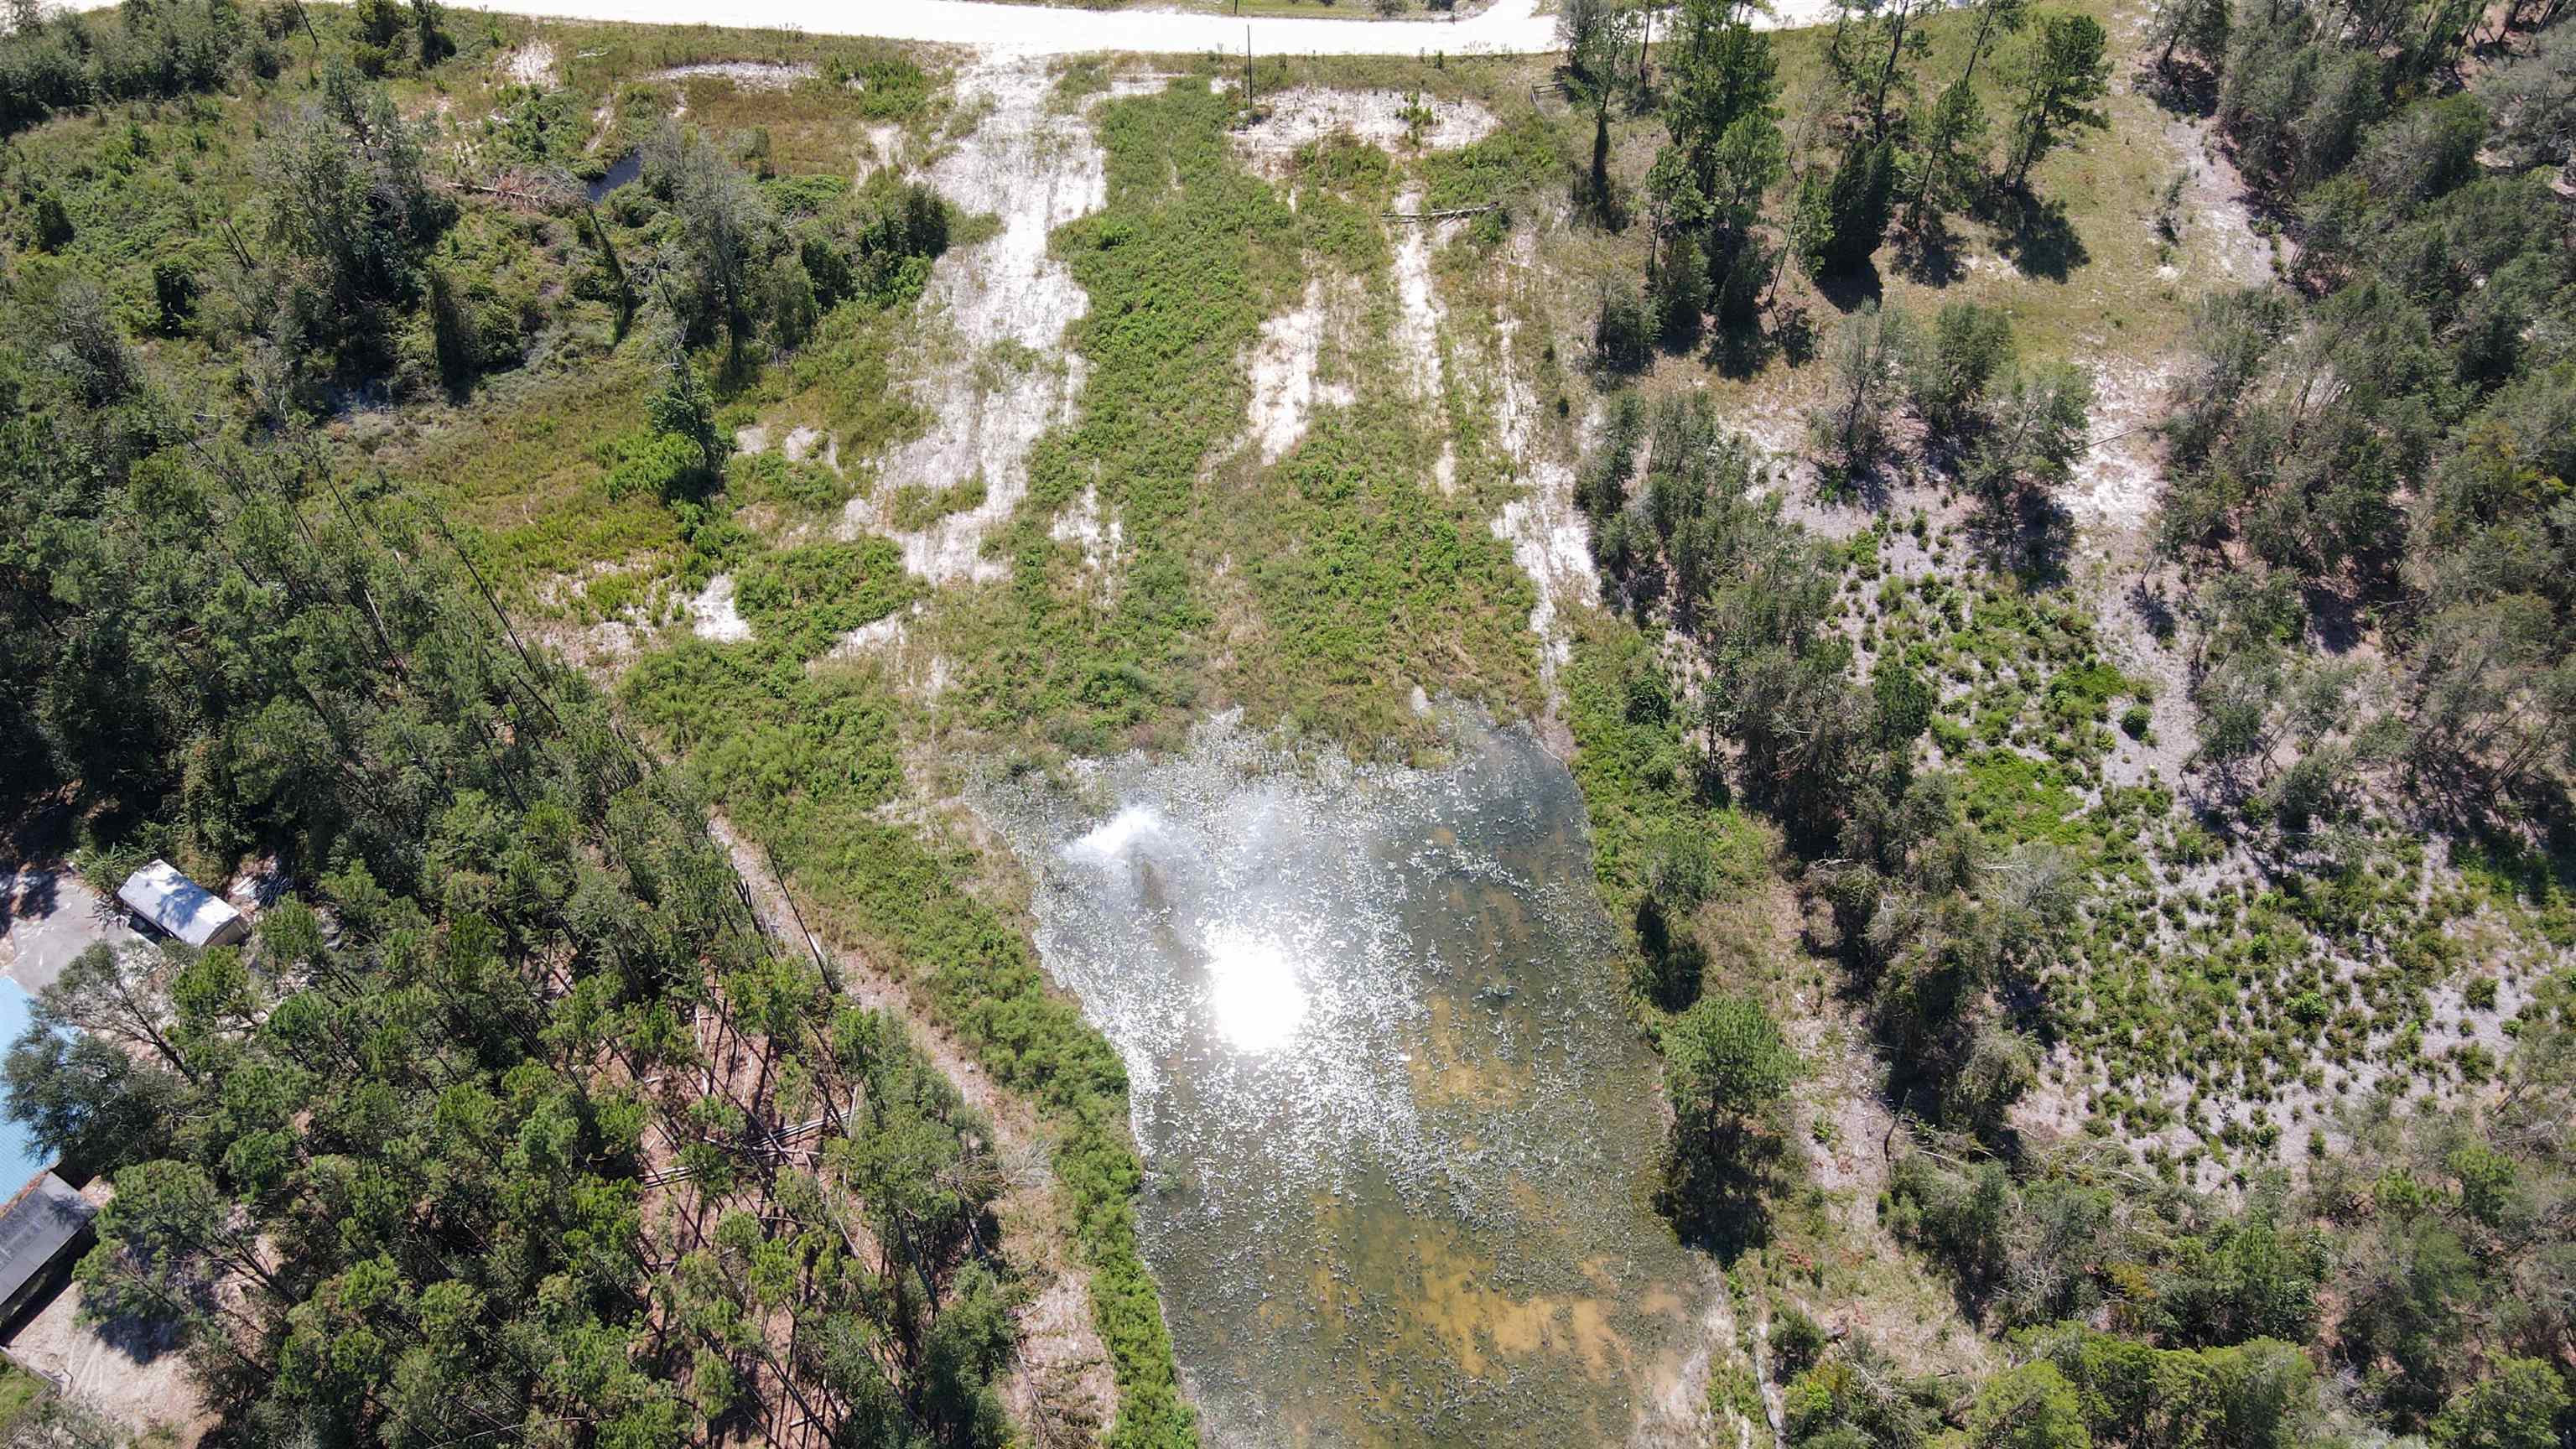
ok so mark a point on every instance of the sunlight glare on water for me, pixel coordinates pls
(1252, 989)
(1399, 1134)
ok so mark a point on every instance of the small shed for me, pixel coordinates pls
(43, 1231)
(180, 907)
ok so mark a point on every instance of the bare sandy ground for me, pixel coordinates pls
(1037, 169)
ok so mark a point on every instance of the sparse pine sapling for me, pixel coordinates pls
(2064, 71)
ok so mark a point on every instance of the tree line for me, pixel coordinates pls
(2371, 446)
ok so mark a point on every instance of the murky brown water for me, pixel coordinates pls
(1397, 1127)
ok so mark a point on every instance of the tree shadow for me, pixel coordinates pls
(1672, 966)
(1848, 290)
(2037, 235)
(1795, 332)
(27, 895)
(1739, 355)
(144, 1340)
(2155, 611)
(2334, 616)
(1931, 255)
(2181, 86)
(1715, 1194)
(2031, 536)
(30, 864)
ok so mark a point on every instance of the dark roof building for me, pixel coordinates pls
(42, 1230)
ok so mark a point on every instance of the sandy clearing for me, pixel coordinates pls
(885, 151)
(1284, 365)
(746, 75)
(1036, 169)
(888, 635)
(1417, 328)
(1511, 27)
(1103, 541)
(532, 64)
(713, 614)
(1549, 537)
(1306, 114)
(2220, 243)
(48, 915)
(143, 1393)
(2119, 479)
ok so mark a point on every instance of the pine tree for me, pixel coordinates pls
(2065, 70)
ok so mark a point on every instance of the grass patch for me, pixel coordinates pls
(1362, 598)
(20, 1392)
(916, 506)
(2016, 798)
(804, 598)
(1523, 157)
(1640, 784)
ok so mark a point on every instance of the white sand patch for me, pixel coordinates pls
(1548, 535)
(894, 647)
(2219, 242)
(606, 646)
(1284, 365)
(1037, 170)
(1103, 544)
(2118, 479)
(1417, 326)
(1550, 544)
(1517, 407)
(714, 615)
(884, 151)
(886, 635)
(532, 64)
(746, 75)
(1292, 118)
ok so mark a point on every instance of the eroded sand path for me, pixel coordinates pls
(1036, 168)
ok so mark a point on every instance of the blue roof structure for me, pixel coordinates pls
(20, 1157)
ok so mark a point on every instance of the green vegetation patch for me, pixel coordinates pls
(805, 597)
(1365, 593)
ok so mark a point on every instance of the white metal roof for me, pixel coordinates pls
(181, 907)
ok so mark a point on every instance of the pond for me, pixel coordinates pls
(620, 171)
(1399, 1133)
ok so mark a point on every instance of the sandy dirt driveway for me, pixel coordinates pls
(1509, 27)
